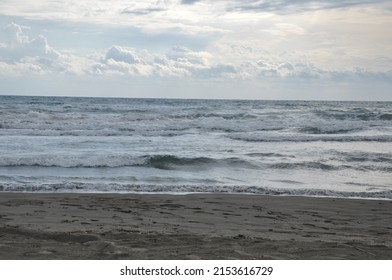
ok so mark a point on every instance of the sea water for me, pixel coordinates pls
(310, 148)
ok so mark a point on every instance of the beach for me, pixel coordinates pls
(194, 226)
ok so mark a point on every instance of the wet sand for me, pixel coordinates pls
(197, 226)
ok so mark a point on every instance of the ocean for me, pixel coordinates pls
(114, 145)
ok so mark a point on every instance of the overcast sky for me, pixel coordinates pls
(284, 49)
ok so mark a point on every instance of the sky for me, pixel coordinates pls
(234, 49)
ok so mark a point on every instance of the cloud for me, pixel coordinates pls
(121, 54)
(316, 41)
(20, 69)
(179, 62)
(290, 28)
(19, 45)
(187, 2)
(182, 62)
(147, 7)
(142, 11)
(294, 6)
(22, 55)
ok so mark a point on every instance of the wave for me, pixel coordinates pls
(369, 157)
(102, 125)
(174, 162)
(156, 121)
(386, 117)
(225, 116)
(186, 189)
(309, 138)
(328, 167)
(262, 155)
(326, 130)
(360, 114)
(165, 162)
(305, 165)
(69, 161)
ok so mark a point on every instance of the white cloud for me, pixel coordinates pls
(23, 55)
(245, 55)
(121, 54)
(290, 28)
(20, 69)
(179, 62)
(19, 45)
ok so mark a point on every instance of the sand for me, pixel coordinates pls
(197, 226)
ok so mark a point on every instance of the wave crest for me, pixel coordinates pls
(166, 162)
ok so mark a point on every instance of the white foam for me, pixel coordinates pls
(187, 189)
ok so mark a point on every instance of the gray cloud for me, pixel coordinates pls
(142, 11)
(187, 2)
(292, 6)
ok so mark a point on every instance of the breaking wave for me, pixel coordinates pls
(166, 162)
(187, 189)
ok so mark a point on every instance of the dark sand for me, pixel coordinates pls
(199, 226)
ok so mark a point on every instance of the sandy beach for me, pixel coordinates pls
(197, 226)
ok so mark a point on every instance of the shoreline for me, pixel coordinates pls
(197, 193)
(192, 226)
